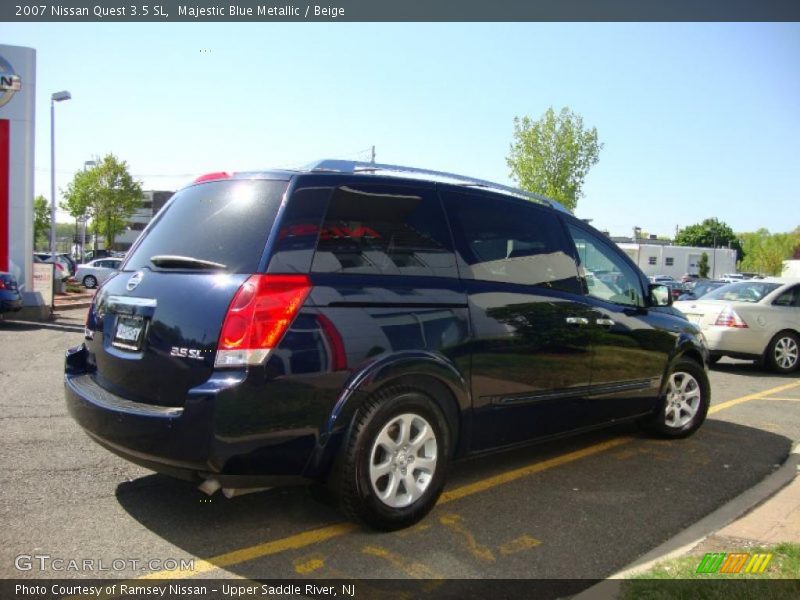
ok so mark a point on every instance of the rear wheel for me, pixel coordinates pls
(685, 402)
(393, 467)
(783, 352)
(89, 282)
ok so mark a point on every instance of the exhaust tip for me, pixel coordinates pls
(209, 486)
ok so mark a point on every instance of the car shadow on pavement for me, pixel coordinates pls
(751, 369)
(615, 505)
(11, 324)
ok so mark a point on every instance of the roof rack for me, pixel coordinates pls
(353, 166)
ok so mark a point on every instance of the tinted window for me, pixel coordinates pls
(511, 242)
(605, 273)
(384, 230)
(299, 230)
(224, 222)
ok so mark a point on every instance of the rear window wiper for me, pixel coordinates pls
(169, 261)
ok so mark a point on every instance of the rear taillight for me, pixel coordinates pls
(261, 312)
(729, 318)
(2, 284)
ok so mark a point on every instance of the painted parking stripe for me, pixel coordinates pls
(757, 396)
(317, 536)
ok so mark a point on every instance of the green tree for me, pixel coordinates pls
(702, 266)
(711, 233)
(765, 251)
(41, 219)
(107, 194)
(552, 156)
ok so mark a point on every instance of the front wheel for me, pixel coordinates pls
(89, 282)
(783, 352)
(685, 402)
(393, 466)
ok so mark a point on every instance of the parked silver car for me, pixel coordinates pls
(753, 319)
(97, 271)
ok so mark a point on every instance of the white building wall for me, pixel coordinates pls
(676, 261)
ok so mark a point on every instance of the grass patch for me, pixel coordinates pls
(679, 579)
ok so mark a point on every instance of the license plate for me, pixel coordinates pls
(128, 334)
(695, 319)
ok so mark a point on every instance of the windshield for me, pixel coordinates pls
(744, 291)
(221, 225)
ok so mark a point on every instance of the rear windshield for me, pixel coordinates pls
(224, 222)
(744, 291)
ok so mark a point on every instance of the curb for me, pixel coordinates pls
(70, 305)
(686, 540)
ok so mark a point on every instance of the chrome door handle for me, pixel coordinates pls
(577, 320)
(605, 321)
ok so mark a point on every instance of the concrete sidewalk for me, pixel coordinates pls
(766, 515)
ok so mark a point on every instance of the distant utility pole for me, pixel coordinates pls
(372, 160)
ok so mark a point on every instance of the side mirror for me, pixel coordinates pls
(659, 295)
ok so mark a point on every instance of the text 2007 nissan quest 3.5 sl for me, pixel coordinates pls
(363, 325)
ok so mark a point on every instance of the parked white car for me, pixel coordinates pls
(732, 277)
(756, 319)
(661, 278)
(97, 271)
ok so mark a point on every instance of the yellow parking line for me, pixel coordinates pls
(509, 476)
(293, 542)
(757, 396)
(317, 536)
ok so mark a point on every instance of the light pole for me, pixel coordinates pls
(714, 260)
(56, 97)
(89, 164)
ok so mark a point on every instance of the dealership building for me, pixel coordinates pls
(17, 126)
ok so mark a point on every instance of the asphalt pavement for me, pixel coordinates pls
(584, 507)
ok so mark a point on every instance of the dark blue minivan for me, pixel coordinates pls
(362, 326)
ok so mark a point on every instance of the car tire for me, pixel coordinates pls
(90, 282)
(393, 466)
(684, 404)
(783, 352)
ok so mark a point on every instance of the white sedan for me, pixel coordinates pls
(753, 319)
(97, 271)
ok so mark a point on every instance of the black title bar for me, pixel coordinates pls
(162, 11)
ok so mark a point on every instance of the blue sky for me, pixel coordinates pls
(698, 120)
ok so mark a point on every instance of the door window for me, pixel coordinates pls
(790, 297)
(603, 271)
(510, 241)
(384, 230)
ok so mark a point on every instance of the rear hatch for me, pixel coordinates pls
(154, 327)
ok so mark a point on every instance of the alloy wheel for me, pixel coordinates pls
(786, 353)
(403, 460)
(683, 399)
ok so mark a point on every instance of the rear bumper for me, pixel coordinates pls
(10, 305)
(742, 342)
(176, 441)
(177, 438)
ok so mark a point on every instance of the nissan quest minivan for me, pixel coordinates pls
(362, 326)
